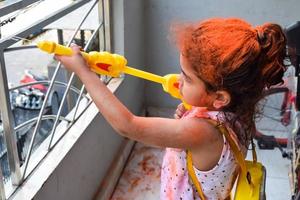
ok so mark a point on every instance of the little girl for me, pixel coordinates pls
(225, 65)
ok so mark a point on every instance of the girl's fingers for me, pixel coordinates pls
(75, 48)
(179, 111)
(181, 107)
(58, 57)
(176, 116)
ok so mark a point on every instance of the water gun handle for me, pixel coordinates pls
(52, 47)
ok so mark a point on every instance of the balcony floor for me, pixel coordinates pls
(141, 177)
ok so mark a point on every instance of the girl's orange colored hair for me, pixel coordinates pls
(231, 55)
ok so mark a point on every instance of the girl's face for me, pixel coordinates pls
(192, 88)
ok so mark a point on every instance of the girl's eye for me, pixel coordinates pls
(187, 79)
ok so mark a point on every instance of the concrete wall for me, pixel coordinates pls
(128, 40)
(79, 175)
(162, 56)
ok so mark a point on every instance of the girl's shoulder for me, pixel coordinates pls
(218, 116)
(198, 124)
(202, 112)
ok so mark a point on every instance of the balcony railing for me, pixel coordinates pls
(19, 168)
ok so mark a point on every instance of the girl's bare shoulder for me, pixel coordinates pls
(204, 131)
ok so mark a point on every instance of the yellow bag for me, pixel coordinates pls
(251, 181)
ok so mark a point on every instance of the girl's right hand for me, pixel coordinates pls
(180, 111)
(74, 63)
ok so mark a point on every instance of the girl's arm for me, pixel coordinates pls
(163, 132)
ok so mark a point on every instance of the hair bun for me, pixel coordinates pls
(260, 34)
(273, 51)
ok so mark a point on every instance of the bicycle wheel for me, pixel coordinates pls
(273, 126)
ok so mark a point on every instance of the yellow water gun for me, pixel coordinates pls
(105, 63)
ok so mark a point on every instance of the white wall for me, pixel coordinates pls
(162, 56)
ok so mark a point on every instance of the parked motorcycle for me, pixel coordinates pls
(26, 103)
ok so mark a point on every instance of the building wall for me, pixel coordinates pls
(161, 54)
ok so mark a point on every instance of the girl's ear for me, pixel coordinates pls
(222, 99)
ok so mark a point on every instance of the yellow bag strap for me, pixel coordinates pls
(237, 153)
(193, 175)
(254, 156)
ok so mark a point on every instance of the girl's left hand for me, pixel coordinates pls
(74, 63)
(180, 111)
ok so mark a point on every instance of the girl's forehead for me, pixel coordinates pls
(206, 74)
(186, 66)
(184, 62)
